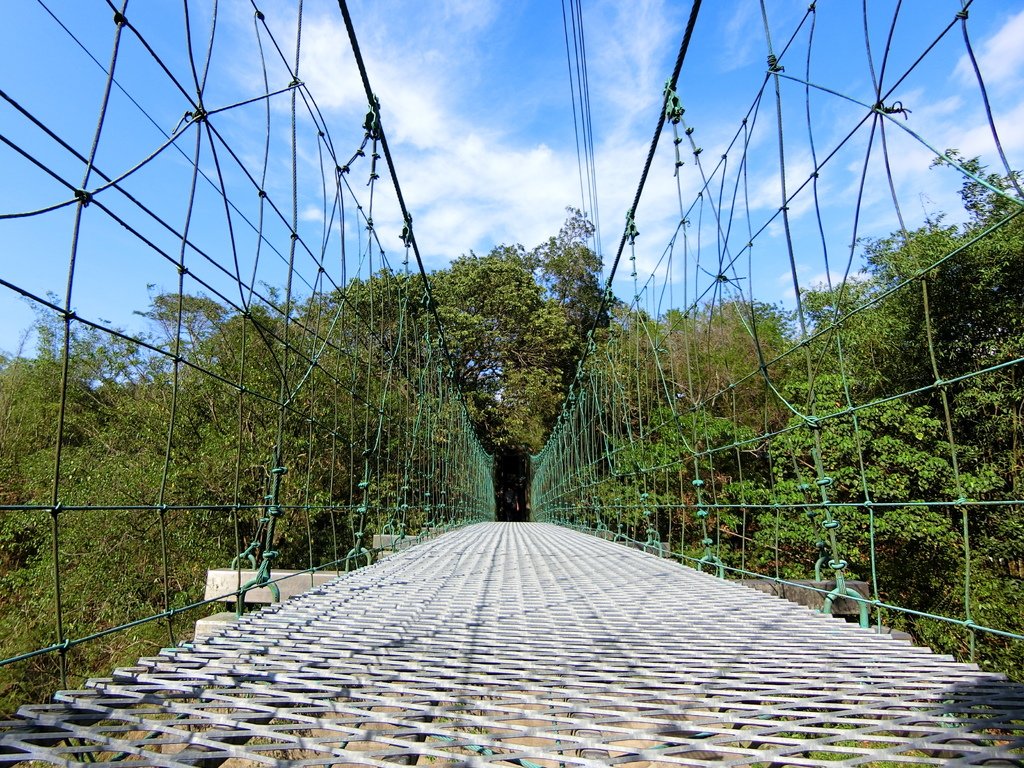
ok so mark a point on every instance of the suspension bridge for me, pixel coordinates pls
(294, 403)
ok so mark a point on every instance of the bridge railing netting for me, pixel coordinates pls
(220, 363)
(817, 372)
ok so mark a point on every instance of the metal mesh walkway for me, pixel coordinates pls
(527, 644)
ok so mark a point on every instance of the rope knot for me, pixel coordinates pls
(896, 108)
(673, 106)
(83, 197)
(773, 64)
(371, 123)
(631, 231)
(407, 231)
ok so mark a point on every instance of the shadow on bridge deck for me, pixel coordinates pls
(527, 644)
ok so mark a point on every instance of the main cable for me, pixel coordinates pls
(684, 46)
(408, 235)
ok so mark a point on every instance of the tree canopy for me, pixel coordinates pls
(516, 322)
(884, 433)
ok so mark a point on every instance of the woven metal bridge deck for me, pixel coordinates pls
(527, 644)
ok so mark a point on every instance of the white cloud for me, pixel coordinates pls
(480, 192)
(766, 187)
(813, 277)
(473, 178)
(978, 139)
(630, 41)
(408, 83)
(476, 172)
(1000, 57)
(742, 36)
(470, 14)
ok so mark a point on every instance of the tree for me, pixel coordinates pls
(932, 338)
(570, 272)
(510, 345)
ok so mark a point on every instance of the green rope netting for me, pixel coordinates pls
(860, 438)
(286, 401)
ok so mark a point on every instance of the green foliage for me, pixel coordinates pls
(570, 270)
(515, 322)
(888, 439)
(166, 453)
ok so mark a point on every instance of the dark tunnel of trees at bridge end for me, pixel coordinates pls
(511, 486)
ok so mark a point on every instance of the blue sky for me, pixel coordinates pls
(475, 103)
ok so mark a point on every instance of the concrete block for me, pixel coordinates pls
(896, 634)
(224, 581)
(392, 542)
(811, 597)
(209, 625)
